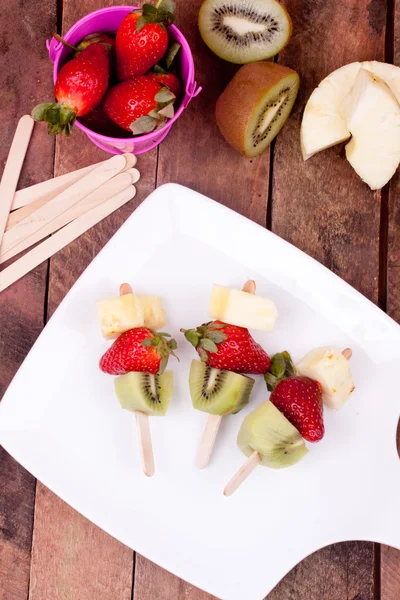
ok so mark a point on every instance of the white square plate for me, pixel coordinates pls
(61, 420)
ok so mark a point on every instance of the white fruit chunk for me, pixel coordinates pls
(323, 124)
(120, 314)
(332, 370)
(154, 314)
(242, 309)
(373, 118)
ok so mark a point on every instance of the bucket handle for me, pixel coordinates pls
(192, 90)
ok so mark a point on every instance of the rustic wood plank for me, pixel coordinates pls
(194, 153)
(151, 581)
(72, 558)
(324, 209)
(390, 557)
(23, 30)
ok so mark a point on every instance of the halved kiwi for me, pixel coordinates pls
(150, 394)
(243, 31)
(267, 431)
(255, 105)
(218, 392)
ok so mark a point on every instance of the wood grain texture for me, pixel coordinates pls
(154, 583)
(73, 559)
(23, 30)
(87, 570)
(195, 153)
(390, 557)
(323, 208)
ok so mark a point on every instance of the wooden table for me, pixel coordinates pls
(47, 550)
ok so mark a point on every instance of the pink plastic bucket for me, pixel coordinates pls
(107, 20)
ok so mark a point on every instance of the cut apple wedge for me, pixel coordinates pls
(324, 124)
(372, 115)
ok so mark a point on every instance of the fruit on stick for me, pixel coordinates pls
(299, 398)
(228, 347)
(372, 116)
(142, 39)
(135, 105)
(139, 349)
(329, 366)
(266, 437)
(129, 311)
(325, 122)
(149, 394)
(237, 307)
(255, 105)
(243, 31)
(218, 392)
(267, 431)
(80, 87)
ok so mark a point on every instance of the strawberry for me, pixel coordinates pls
(298, 398)
(228, 347)
(142, 39)
(134, 105)
(139, 349)
(80, 87)
(168, 80)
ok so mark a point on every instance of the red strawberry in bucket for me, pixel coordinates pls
(137, 105)
(142, 38)
(80, 87)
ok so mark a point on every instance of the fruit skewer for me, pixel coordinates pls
(142, 422)
(214, 421)
(255, 458)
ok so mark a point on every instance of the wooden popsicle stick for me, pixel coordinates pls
(142, 422)
(64, 200)
(214, 421)
(242, 474)
(104, 192)
(134, 173)
(347, 353)
(46, 190)
(12, 170)
(63, 237)
(208, 440)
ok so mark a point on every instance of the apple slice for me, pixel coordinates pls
(373, 117)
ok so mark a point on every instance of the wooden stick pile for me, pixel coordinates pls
(64, 207)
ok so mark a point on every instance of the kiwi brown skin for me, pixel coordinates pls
(235, 106)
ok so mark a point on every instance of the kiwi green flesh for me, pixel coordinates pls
(266, 431)
(243, 31)
(270, 114)
(150, 394)
(218, 392)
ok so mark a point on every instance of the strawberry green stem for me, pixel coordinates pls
(60, 39)
(158, 3)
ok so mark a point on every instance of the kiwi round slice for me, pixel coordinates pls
(150, 394)
(243, 31)
(267, 431)
(218, 392)
(255, 105)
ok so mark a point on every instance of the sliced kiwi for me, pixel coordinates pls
(150, 394)
(243, 31)
(268, 432)
(255, 105)
(218, 392)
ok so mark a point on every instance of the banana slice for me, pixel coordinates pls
(324, 123)
(242, 309)
(373, 117)
(331, 369)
